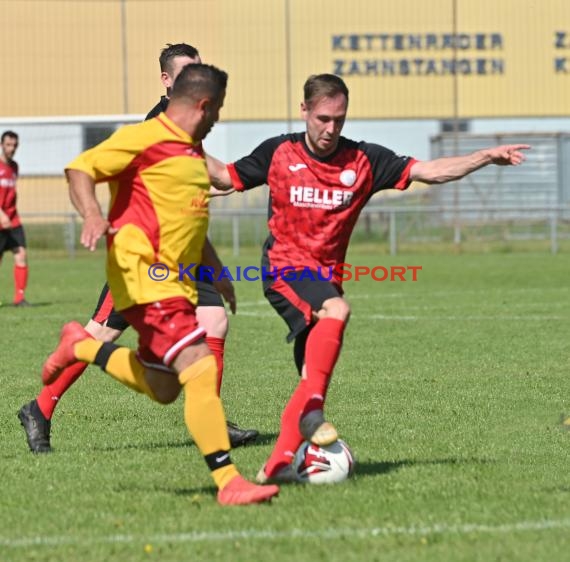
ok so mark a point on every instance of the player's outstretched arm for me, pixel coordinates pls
(217, 167)
(82, 195)
(219, 175)
(215, 192)
(453, 168)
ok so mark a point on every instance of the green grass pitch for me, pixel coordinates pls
(449, 391)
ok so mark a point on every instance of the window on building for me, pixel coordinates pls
(93, 134)
(453, 125)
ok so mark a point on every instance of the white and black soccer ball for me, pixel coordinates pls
(323, 465)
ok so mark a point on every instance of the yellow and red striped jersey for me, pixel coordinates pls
(159, 202)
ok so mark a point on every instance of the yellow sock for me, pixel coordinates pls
(120, 362)
(222, 476)
(86, 350)
(124, 366)
(205, 418)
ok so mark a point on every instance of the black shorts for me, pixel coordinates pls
(12, 238)
(296, 300)
(106, 315)
(207, 294)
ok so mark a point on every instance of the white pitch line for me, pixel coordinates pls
(351, 295)
(270, 313)
(330, 533)
(259, 302)
(263, 314)
(428, 316)
(381, 294)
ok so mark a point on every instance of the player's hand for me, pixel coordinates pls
(225, 287)
(508, 154)
(94, 228)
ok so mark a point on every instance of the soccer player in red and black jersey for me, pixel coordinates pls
(319, 182)
(107, 324)
(12, 236)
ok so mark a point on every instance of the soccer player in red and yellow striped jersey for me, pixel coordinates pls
(159, 214)
(107, 324)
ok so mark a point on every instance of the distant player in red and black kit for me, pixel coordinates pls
(12, 236)
(319, 182)
(107, 324)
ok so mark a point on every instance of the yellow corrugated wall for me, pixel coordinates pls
(65, 57)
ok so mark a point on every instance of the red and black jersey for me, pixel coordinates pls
(8, 178)
(315, 202)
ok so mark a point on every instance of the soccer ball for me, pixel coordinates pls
(323, 465)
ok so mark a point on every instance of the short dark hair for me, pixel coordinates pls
(9, 134)
(199, 80)
(175, 50)
(323, 86)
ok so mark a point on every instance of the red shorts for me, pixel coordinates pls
(165, 328)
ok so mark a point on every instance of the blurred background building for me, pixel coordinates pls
(426, 78)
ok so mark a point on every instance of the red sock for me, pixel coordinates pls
(322, 351)
(289, 437)
(216, 346)
(49, 397)
(323, 348)
(20, 282)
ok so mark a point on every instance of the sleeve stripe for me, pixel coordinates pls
(404, 181)
(236, 180)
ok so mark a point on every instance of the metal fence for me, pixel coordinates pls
(388, 228)
(422, 228)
